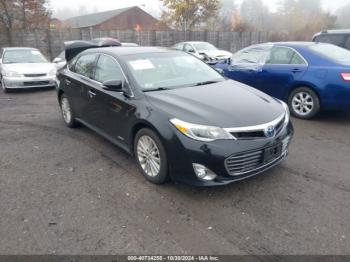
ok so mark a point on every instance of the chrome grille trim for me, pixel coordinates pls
(279, 123)
(34, 75)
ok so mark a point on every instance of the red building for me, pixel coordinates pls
(130, 18)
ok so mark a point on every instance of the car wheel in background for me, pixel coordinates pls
(304, 103)
(3, 85)
(150, 156)
(67, 112)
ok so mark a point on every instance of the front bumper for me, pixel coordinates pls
(214, 156)
(29, 82)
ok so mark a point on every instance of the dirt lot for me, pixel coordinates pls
(67, 191)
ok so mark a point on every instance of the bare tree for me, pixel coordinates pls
(8, 17)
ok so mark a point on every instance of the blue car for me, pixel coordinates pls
(308, 76)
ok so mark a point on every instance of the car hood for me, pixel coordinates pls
(225, 104)
(29, 68)
(219, 54)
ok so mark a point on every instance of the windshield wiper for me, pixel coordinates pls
(156, 89)
(206, 83)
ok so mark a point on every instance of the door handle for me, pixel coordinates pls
(296, 70)
(91, 93)
(68, 82)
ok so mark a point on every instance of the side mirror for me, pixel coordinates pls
(57, 60)
(191, 51)
(113, 85)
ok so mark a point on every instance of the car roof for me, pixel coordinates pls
(335, 31)
(19, 48)
(122, 51)
(290, 44)
(195, 42)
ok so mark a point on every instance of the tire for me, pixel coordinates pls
(4, 89)
(67, 112)
(304, 103)
(152, 163)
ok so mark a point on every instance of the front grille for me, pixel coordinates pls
(249, 135)
(242, 163)
(36, 83)
(34, 75)
(257, 133)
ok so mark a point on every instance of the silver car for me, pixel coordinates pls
(204, 51)
(22, 67)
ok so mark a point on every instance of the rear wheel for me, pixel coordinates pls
(150, 156)
(304, 103)
(67, 112)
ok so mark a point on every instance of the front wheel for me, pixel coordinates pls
(4, 89)
(150, 156)
(304, 103)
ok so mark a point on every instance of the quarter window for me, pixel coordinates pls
(85, 64)
(284, 56)
(107, 69)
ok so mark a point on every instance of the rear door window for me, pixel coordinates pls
(284, 56)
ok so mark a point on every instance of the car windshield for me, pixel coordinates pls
(335, 53)
(204, 47)
(23, 56)
(170, 70)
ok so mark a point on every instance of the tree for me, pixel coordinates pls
(188, 14)
(302, 19)
(23, 14)
(35, 13)
(228, 15)
(255, 14)
(8, 17)
(343, 20)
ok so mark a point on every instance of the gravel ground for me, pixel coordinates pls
(65, 191)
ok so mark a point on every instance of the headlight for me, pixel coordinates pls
(13, 74)
(52, 72)
(200, 132)
(286, 108)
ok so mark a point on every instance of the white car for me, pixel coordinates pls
(60, 60)
(204, 51)
(22, 67)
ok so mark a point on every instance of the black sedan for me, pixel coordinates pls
(180, 118)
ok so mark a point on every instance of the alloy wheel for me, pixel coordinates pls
(302, 103)
(66, 110)
(148, 156)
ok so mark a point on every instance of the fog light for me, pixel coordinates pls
(204, 173)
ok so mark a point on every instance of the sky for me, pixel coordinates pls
(63, 8)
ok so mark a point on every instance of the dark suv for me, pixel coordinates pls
(336, 37)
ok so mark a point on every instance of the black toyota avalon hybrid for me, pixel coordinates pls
(180, 118)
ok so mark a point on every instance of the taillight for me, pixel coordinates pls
(345, 76)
